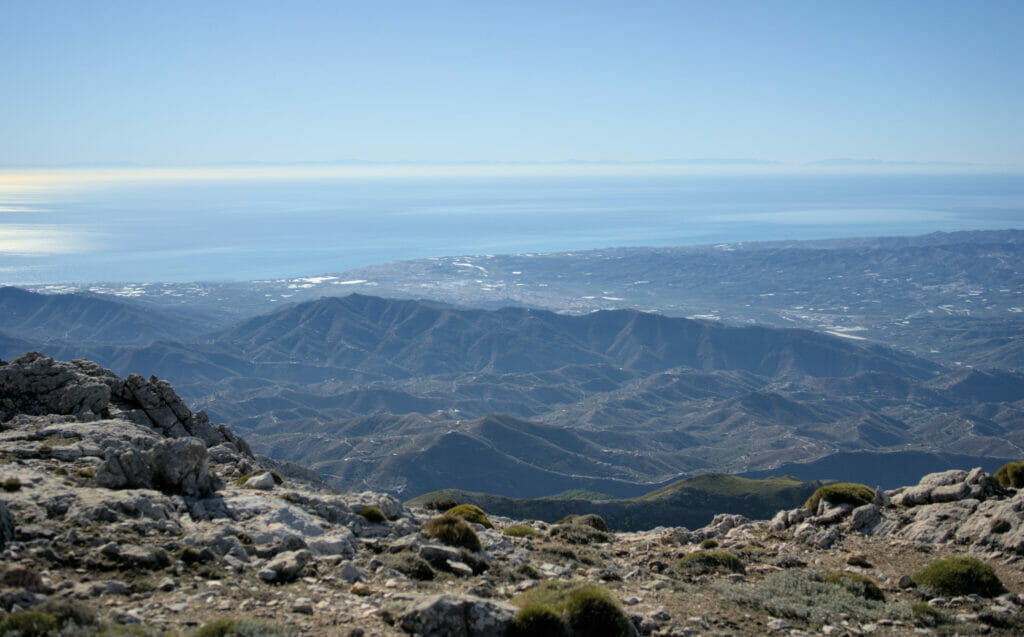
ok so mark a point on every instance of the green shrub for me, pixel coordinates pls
(12, 484)
(582, 608)
(521, 530)
(1011, 474)
(567, 519)
(29, 623)
(538, 621)
(372, 514)
(592, 610)
(859, 585)
(841, 493)
(709, 561)
(471, 513)
(959, 576)
(453, 531)
(709, 543)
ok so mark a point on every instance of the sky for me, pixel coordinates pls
(200, 83)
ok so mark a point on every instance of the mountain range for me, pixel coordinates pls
(415, 396)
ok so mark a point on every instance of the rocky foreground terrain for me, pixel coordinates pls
(122, 512)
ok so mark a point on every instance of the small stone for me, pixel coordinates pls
(302, 606)
(632, 600)
(938, 602)
(460, 568)
(263, 481)
(906, 582)
(352, 573)
(167, 584)
(361, 589)
(778, 624)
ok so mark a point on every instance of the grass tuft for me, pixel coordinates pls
(453, 531)
(857, 584)
(521, 530)
(1011, 474)
(711, 561)
(471, 513)
(372, 514)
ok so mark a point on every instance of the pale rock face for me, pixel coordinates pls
(943, 478)
(457, 616)
(261, 481)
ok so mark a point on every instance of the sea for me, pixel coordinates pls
(254, 229)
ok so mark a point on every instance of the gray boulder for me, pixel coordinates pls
(175, 465)
(285, 567)
(457, 616)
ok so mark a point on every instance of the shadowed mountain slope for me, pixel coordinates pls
(91, 319)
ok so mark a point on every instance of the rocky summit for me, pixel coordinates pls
(123, 512)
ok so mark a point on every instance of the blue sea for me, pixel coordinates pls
(181, 230)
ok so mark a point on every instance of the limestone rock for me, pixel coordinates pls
(262, 481)
(457, 616)
(36, 384)
(864, 516)
(285, 567)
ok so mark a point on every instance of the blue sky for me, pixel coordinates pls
(197, 83)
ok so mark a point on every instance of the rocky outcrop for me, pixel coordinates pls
(963, 507)
(137, 509)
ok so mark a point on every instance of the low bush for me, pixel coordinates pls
(567, 519)
(928, 616)
(1011, 474)
(231, 627)
(841, 493)
(441, 504)
(29, 623)
(11, 484)
(453, 531)
(69, 611)
(592, 520)
(581, 608)
(471, 513)
(538, 621)
(859, 585)
(580, 534)
(521, 530)
(709, 543)
(372, 514)
(409, 564)
(805, 595)
(959, 576)
(527, 570)
(710, 561)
